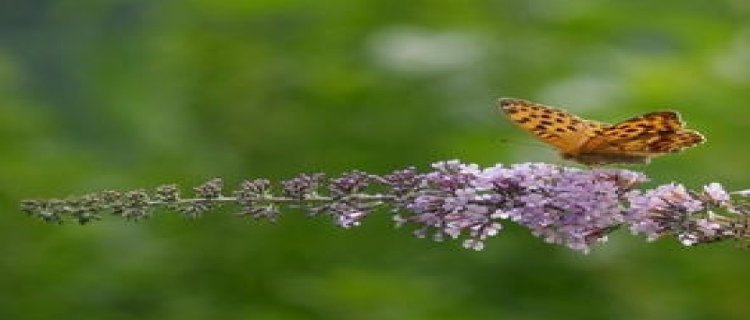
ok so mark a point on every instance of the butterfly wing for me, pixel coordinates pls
(635, 140)
(644, 125)
(556, 127)
(651, 134)
(675, 142)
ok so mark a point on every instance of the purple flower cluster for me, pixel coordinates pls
(448, 201)
(344, 201)
(573, 207)
(568, 206)
(562, 205)
(250, 198)
(673, 209)
(347, 208)
(302, 186)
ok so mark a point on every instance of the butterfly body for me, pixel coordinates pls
(632, 141)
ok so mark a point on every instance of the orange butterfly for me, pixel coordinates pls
(635, 140)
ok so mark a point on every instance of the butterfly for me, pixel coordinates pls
(588, 142)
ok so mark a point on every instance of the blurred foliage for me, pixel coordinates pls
(123, 94)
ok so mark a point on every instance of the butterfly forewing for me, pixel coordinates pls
(561, 129)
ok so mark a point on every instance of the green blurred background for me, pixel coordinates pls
(100, 94)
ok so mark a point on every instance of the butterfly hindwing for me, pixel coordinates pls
(644, 125)
(675, 142)
(646, 145)
(650, 134)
